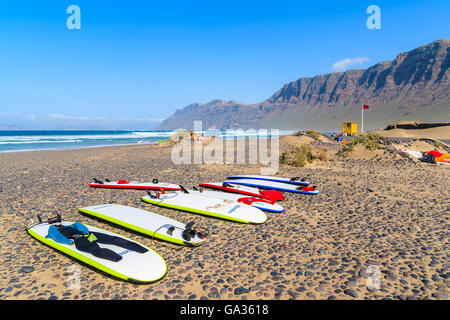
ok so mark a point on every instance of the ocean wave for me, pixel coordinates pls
(60, 140)
(81, 137)
(127, 135)
(40, 141)
(142, 134)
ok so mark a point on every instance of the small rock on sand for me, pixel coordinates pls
(351, 293)
(241, 290)
(27, 269)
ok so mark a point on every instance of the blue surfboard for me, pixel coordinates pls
(272, 185)
(296, 181)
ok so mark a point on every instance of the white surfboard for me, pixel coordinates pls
(146, 222)
(296, 180)
(274, 185)
(123, 184)
(259, 203)
(134, 267)
(215, 207)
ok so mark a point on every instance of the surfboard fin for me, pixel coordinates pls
(56, 219)
(183, 189)
(297, 179)
(152, 195)
(97, 181)
(188, 232)
(189, 225)
(170, 230)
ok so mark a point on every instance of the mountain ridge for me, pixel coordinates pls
(413, 86)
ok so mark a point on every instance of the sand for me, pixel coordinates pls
(382, 211)
(441, 133)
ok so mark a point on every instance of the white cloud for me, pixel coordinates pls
(346, 63)
(61, 121)
(139, 119)
(64, 117)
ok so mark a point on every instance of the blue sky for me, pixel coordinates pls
(134, 62)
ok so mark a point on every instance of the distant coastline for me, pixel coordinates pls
(30, 140)
(7, 128)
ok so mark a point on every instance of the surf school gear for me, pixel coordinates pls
(134, 266)
(87, 241)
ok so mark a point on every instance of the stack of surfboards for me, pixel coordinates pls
(294, 185)
(251, 185)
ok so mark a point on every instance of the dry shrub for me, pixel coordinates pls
(371, 141)
(311, 133)
(300, 156)
(314, 134)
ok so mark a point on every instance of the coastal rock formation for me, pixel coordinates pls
(216, 114)
(414, 86)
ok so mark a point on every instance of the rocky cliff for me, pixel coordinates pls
(414, 86)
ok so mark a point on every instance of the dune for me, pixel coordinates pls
(440, 133)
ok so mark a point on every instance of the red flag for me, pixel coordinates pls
(365, 106)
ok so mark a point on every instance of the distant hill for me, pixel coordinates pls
(9, 127)
(81, 127)
(414, 86)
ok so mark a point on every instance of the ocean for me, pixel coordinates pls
(27, 140)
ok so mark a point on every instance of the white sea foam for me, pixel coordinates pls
(45, 140)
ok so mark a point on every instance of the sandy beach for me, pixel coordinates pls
(442, 133)
(376, 209)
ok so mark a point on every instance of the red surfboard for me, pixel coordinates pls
(123, 184)
(272, 195)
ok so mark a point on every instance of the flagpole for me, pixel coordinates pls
(362, 119)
